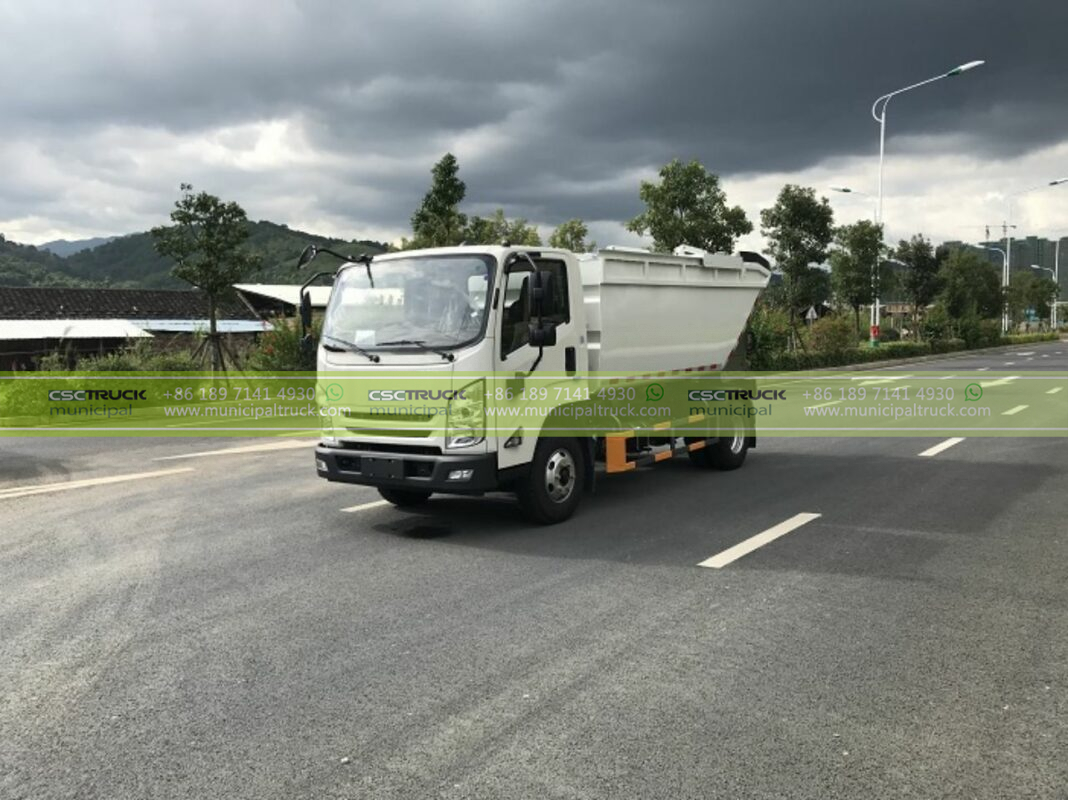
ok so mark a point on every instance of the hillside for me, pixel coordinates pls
(65, 247)
(132, 261)
(26, 265)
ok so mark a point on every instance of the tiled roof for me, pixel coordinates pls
(141, 304)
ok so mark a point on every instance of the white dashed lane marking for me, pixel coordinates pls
(938, 448)
(732, 554)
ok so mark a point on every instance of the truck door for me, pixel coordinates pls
(565, 361)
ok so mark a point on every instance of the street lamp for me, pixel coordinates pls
(874, 314)
(1008, 235)
(1056, 279)
(1004, 285)
(1057, 294)
(878, 112)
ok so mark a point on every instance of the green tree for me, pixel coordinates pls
(1029, 292)
(205, 243)
(438, 221)
(799, 228)
(498, 228)
(971, 286)
(688, 207)
(857, 248)
(571, 235)
(920, 282)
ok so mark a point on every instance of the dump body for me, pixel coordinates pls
(655, 311)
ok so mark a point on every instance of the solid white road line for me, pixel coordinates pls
(252, 448)
(1013, 411)
(824, 405)
(982, 369)
(44, 488)
(999, 382)
(938, 448)
(365, 506)
(721, 560)
(1009, 363)
(1054, 390)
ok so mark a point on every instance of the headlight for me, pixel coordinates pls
(466, 425)
(327, 436)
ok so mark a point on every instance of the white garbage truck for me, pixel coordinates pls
(491, 328)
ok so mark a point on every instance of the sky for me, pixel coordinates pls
(329, 116)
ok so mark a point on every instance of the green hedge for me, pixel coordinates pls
(799, 360)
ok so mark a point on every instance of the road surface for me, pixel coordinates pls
(179, 623)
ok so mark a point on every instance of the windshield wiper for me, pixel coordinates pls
(341, 346)
(421, 343)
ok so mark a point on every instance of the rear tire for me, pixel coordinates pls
(726, 453)
(552, 489)
(404, 498)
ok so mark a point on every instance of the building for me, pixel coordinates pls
(37, 321)
(280, 299)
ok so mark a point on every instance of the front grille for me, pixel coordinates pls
(402, 449)
(388, 416)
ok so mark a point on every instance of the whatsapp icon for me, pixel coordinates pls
(972, 392)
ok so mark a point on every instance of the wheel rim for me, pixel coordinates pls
(737, 443)
(559, 476)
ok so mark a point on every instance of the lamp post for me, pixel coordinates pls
(1004, 285)
(1056, 294)
(1056, 279)
(1008, 235)
(878, 112)
(874, 313)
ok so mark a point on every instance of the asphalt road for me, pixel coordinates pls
(228, 630)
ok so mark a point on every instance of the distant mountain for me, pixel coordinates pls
(64, 247)
(131, 261)
(26, 265)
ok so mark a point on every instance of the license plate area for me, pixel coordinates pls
(374, 467)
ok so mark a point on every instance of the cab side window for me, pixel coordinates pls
(514, 319)
(515, 331)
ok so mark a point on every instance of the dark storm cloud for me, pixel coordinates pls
(568, 97)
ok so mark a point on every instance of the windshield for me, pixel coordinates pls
(423, 301)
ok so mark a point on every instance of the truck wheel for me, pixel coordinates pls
(404, 497)
(727, 452)
(552, 490)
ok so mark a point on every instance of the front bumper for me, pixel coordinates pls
(401, 470)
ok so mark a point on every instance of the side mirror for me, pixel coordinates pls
(306, 255)
(543, 335)
(544, 292)
(307, 345)
(305, 310)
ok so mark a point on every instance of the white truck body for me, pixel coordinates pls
(652, 311)
(618, 310)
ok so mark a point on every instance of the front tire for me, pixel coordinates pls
(552, 489)
(404, 498)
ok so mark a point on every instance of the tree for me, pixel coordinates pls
(498, 228)
(971, 286)
(921, 281)
(438, 221)
(799, 229)
(688, 206)
(1029, 292)
(205, 243)
(571, 235)
(858, 247)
